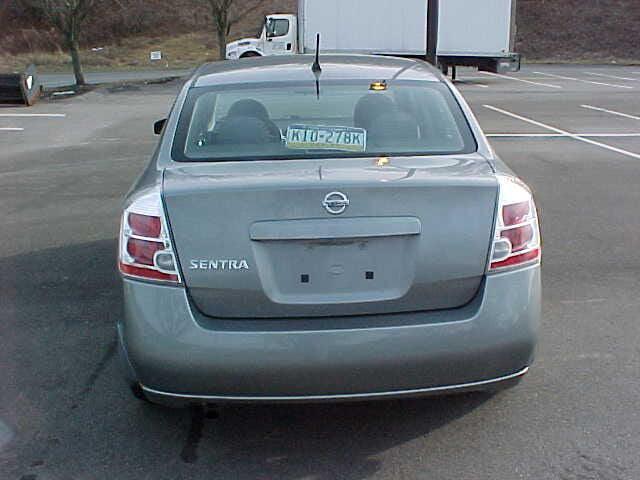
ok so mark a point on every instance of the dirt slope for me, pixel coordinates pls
(579, 30)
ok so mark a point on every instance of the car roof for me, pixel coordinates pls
(294, 68)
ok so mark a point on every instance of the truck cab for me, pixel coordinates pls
(279, 36)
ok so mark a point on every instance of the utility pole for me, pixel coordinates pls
(433, 17)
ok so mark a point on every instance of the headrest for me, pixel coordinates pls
(244, 130)
(369, 108)
(248, 108)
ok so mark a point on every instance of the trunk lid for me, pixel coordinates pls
(255, 239)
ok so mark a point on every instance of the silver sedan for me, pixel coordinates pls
(318, 234)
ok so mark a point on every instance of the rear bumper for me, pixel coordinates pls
(182, 399)
(180, 356)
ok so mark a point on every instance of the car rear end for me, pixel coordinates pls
(324, 270)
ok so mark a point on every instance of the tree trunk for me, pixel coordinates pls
(222, 43)
(74, 51)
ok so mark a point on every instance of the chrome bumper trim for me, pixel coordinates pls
(336, 397)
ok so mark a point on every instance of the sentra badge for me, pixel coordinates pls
(226, 265)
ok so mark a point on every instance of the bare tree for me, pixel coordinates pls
(67, 17)
(226, 13)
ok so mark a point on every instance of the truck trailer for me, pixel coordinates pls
(476, 33)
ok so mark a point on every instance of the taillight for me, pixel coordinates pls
(516, 240)
(145, 246)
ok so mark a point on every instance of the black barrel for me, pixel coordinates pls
(20, 88)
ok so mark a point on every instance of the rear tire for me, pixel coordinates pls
(137, 392)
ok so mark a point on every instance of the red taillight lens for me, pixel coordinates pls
(517, 259)
(519, 237)
(145, 246)
(143, 251)
(145, 225)
(147, 273)
(516, 213)
(516, 239)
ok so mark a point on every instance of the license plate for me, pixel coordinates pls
(311, 137)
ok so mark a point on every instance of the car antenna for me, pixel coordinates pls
(316, 68)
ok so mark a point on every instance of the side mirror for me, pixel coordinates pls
(159, 126)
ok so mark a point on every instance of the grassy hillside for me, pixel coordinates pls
(548, 30)
(121, 38)
(179, 51)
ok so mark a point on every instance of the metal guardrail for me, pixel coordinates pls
(20, 88)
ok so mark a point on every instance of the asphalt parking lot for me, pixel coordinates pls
(572, 132)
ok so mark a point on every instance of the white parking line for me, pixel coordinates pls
(520, 77)
(615, 77)
(564, 132)
(25, 115)
(464, 82)
(11, 129)
(612, 112)
(553, 75)
(515, 79)
(560, 135)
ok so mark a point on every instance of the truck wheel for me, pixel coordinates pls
(249, 54)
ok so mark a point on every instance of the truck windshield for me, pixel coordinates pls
(347, 120)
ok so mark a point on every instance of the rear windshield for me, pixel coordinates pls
(340, 120)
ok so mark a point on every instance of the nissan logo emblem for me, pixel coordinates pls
(335, 203)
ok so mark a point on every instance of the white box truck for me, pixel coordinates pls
(477, 33)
